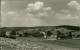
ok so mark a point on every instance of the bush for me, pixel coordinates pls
(13, 33)
(26, 34)
(2, 34)
(49, 33)
(37, 34)
(70, 35)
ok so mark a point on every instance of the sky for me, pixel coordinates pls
(26, 13)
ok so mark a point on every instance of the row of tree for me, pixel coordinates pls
(67, 35)
(13, 34)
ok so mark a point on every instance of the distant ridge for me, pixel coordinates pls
(69, 27)
(35, 27)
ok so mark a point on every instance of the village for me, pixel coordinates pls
(61, 33)
(11, 37)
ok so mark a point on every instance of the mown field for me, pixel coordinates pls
(40, 43)
(75, 43)
(69, 43)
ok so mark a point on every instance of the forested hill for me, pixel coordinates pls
(69, 27)
(41, 27)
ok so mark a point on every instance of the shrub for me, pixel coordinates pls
(49, 33)
(37, 34)
(26, 34)
(2, 34)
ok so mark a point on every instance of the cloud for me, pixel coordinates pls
(43, 14)
(58, 14)
(74, 4)
(76, 17)
(32, 19)
(66, 16)
(3, 2)
(31, 16)
(38, 10)
(65, 11)
(2, 13)
(37, 6)
(12, 13)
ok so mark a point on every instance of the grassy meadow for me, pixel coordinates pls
(72, 43)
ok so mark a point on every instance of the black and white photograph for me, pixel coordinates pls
(39, 24)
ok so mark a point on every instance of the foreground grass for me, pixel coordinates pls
(53, 44)
(67, 43)
(13, 44)
(29, 39)
(75, 43)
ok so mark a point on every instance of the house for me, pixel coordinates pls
(8, 33)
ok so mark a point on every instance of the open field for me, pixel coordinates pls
(53, 44)
(68, 43)
(40, 43)
(11, 44)
(75, 43)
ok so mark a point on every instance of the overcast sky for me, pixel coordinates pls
(39, 12)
